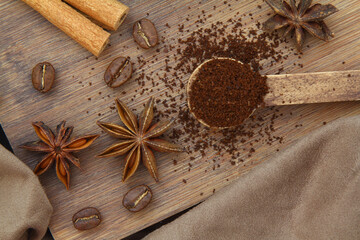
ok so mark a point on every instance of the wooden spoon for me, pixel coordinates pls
(301, 88)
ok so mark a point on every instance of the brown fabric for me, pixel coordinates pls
(24, 208)
(309, 191)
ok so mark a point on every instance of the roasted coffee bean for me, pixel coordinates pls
(137, 198)
(86, 218)
(145, 34)
(118, 72)
(43, 76)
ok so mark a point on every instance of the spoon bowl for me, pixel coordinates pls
(191, 81)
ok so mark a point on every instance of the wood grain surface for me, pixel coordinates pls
(27, 38)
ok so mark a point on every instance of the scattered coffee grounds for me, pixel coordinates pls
(181, 55)
(226, 92)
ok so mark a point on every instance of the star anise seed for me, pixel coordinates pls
(138, 139)
(58, 149)
(300, 18)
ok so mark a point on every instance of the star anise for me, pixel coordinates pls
(58, 149)
(299, 18)
(138, 137)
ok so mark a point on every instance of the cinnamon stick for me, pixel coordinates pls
(74, 24)
(110, 13)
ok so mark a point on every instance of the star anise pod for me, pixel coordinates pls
(300, 18)
(58, 149)
(138, 138)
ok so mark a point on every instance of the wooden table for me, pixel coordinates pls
(26, 38)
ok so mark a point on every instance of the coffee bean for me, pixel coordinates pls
(145, 34)
(137, 198)
(86, 218)
(118, 72)
(43, 76)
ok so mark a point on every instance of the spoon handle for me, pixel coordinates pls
(313, 88)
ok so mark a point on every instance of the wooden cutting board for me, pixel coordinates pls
(27, 38)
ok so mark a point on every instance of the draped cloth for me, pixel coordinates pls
(309, 191)
(25, 210)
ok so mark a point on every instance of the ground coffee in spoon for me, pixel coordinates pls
(226, 92)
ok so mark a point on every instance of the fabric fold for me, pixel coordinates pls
(25, 210)
(309, 191)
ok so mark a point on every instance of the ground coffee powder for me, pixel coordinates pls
(181, 54)
(225, 92)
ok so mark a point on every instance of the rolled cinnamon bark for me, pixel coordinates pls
(110, 13)
(74, 24)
